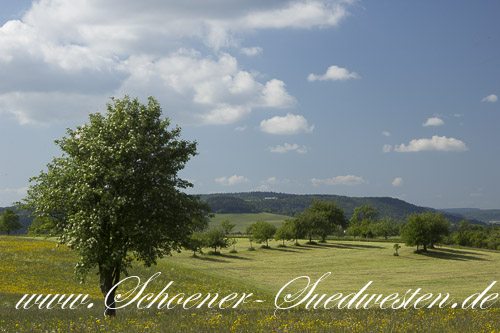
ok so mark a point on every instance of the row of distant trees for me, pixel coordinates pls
(322, 219)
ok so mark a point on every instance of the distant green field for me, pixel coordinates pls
(244, 220)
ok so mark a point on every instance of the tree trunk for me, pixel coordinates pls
(283, 242)
(108, 278)
(267, 243)
(425, 248)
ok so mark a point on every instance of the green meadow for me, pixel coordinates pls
(244, 220)
(38, 266)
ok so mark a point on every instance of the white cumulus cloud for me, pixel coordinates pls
(233, 180)
(438, 143)
(435, 121)
(398, 181)
(64, 58)
(348, 180)
(285, 148)
(386, 133)
(289, 124)
(333, 73)
(251, 51)
(387, 148)
(490, 98)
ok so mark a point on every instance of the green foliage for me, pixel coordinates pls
(385, 227)
(248, 232)
(321, 219)
(425, 229)
(114, 194)
(217, 237)
(42, 225)
(263, 231)
(195, 242)
(9, 221)
(228, 205)
(362, 222)
(396, 248)
(285, 232)
(294, 204)
(227, 226)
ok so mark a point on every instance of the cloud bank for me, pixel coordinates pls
(64, 58)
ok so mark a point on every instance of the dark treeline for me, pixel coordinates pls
(294, 204)
(478, 236)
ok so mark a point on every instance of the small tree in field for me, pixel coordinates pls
(396, 248)
(228, 227)
(114, 194)
(195, 243)
(216, 238)
(298, 229)
(263, 231)
(248, 232)
(285, 232)
(9, 221)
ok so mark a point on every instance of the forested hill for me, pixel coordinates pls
(292, 204)
(24, 218)
(486, 215)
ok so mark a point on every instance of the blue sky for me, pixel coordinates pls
(357, 98)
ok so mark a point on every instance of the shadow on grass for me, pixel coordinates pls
(343, 246)
(449, 254)
(282, 249)
(231, 256)
(212, 258)
(219, 257)
(461, 252)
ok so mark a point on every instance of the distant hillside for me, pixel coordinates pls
(485, 215)
(24, 218)
(292, 204)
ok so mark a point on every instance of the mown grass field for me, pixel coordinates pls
(460, 272)
(38, 266)
(244, 220)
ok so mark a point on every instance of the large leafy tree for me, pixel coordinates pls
(322, 218)
(362, 221)
(425, 229)
(9, 221)
(114, 194)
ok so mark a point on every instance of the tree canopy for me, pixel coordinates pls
(263, 231)
(9, 221)
(322, 218)
(114, 194)
(425, 229)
